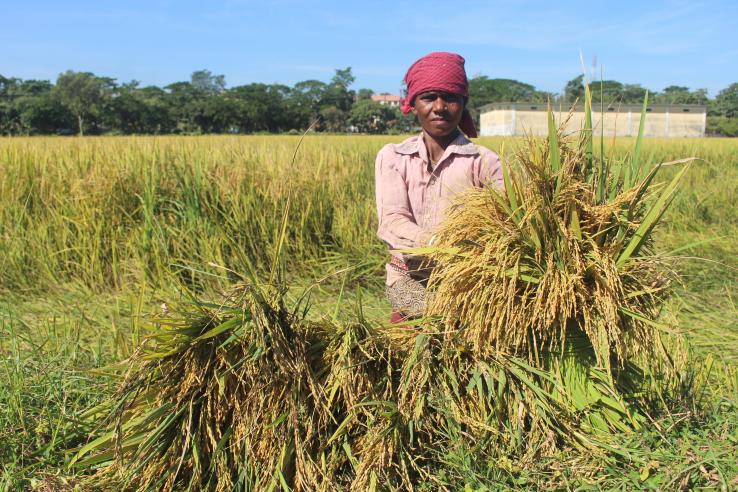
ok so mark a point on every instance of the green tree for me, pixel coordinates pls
(676, 94)
(280, 115)
(262, 107)
(726, 102)
(333, 119)
(368, 116)
(83, 94)
(252, 106)
(632, 93)
(136, 110)
(722, 126)
(29, 107)
(483, 90)
(216, 114)
(44, 114)
(304, 102)
(337, 92)
(158, 117)
(207, 83)
(125, 110)
(607, 91)
(9, 118)
(574, 89)
(364, 94)
(6, 84)
(183, 102)
(337, 96)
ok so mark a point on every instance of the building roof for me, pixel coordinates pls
(386, 98)
(614, 107)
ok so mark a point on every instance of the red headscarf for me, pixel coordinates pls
(439, 71)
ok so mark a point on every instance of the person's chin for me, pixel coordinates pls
(439, 131)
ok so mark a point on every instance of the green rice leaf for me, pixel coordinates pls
(221, 328)
(553, 148)
(511, 195)
(651, 219)
(588, 136)
(142, 421)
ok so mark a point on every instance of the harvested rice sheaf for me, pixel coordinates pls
(554, 284)
(247, 395)
(522, 269)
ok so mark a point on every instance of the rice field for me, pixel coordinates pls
(97, 235)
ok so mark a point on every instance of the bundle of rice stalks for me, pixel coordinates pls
(502, 406)
(247, 395)
(550, 290)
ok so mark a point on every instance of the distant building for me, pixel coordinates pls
(662, 120)
(390, 99)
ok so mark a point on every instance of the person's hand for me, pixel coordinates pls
(426, 239)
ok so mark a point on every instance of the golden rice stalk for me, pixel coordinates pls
(547, 297)
(245, 395)
(566, 246)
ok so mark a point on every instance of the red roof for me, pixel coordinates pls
(385, 98)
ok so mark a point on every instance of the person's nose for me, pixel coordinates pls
(439, 105)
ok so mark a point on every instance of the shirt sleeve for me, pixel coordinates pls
(397, 226)
(490, 170)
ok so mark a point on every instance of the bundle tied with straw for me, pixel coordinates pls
(246, 394)
(554, 282)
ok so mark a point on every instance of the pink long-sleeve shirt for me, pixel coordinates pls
(412, 198)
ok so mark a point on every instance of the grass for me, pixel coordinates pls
(49, 345)
(93, 231)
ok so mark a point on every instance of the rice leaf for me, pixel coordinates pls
(651, 219)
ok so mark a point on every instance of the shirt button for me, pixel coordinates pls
(432, 180)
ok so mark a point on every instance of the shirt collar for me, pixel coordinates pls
(460, 145)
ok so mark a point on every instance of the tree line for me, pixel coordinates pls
(84, 103)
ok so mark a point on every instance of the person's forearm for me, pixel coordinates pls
(400, 231)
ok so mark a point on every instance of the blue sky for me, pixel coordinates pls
(655, 43)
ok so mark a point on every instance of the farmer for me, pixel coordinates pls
(417, 179)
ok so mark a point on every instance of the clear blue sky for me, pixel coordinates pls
(655, 43)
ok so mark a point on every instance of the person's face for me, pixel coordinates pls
(439, 113)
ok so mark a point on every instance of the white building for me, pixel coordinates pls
(675, 120)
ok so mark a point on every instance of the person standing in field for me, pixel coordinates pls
(417, 179)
